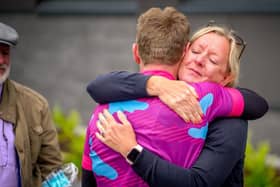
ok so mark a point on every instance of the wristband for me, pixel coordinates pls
(133, 154)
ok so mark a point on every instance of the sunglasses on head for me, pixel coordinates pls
(238, 40)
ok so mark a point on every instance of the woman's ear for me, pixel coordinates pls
(135, 53)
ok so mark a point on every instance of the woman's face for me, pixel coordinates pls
(206, 59)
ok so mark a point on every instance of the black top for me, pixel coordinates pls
(221, 160)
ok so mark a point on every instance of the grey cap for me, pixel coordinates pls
(8, 35)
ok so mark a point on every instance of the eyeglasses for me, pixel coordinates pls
(238, 40)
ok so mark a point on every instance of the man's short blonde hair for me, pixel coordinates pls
(234, 54)
(162, 35)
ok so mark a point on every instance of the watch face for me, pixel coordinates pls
(133, 155)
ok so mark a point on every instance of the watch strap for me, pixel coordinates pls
(133, 154)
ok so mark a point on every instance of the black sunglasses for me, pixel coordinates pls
(238, 40)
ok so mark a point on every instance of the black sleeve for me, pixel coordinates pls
(255, 105)
(219, 164)
(118, 86)
(88, 179)
(123, 85)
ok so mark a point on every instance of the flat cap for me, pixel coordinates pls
(8, 35)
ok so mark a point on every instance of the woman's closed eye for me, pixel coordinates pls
(213, 61)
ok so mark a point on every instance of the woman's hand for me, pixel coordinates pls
(118, 136)
(178, 95)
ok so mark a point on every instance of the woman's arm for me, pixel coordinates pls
(118, 86)
(221, 158)
(123, 85)
(220, 162)
(88, 179)
(255, 106)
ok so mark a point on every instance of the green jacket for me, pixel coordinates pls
(36, 139)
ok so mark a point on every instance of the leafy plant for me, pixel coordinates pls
(257, 172)
(71, 135)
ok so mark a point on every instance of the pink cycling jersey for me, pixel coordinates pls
(158, 129)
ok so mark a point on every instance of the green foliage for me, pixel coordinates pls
(257, 172)
(71, 135)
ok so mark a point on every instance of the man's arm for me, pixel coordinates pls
(50, 157)
(224, 148)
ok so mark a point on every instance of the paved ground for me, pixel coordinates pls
(58, 56)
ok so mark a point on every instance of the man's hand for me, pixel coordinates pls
(118, 136)
(178, 95)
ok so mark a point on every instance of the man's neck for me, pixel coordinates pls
(172, 69)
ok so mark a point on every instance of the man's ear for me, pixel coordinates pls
(135, 53)
(187, 47)
(185, 51)
(227, 79)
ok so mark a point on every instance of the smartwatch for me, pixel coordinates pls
(133, 154)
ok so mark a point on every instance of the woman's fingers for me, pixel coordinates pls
(110, 119)
(100, 128)
(100, 137)
(102, 120)
(123, 118)
(106, 119)
(119, 137)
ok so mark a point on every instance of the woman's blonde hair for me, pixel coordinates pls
(235, 49)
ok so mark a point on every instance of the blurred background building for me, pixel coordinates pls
(66, 43)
